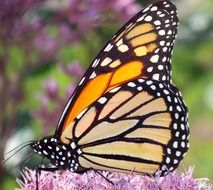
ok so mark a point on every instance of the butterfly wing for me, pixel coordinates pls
(141, 48)
(140, 125)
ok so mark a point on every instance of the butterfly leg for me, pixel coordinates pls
(38, 172)
(109, 181)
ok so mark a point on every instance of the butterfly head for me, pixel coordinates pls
(53, 150)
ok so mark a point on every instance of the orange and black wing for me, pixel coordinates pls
(141, 48)
(139, 126)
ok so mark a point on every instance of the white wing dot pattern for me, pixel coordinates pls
(149, 37)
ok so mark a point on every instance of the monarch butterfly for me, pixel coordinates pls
(126, 114)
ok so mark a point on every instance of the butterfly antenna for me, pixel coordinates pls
(23, 146)
(27, 142)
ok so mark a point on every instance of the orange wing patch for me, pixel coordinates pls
(101, 84)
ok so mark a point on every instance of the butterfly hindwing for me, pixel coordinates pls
(141, 48)
(140, 125)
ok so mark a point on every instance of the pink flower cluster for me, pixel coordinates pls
(91, 180)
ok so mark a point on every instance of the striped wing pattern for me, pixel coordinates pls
(139, 126)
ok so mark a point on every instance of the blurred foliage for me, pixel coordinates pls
(46, 38)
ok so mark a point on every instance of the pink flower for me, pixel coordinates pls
(91, 180)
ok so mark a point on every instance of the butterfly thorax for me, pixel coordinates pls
(61, 155)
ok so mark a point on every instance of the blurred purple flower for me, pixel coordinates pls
(86, 14)
(73, 69)
(68, 34)
(46, 45)
(51, 88)
(11, 12)
(66, 180)
(125, 9)
(51, 100)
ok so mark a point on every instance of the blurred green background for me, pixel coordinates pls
(45, 46)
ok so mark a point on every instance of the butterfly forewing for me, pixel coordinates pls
(141, 48)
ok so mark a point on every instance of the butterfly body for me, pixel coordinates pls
(126, 114)
(60, 155)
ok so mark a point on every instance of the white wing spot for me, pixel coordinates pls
(168, 44)
(169, 151)
(114, 90)
(148, 18)
(80, 114)
(167, 160)
(157, 22)
(156, 76)
(95, 63)
(162, 43)
(177, 134)
(131, 84)
(166, 92)
(108, 47)
(167, 21)
(160, 67)
(178, 153)
(165, 49)
(73, 145)
(139, 88)
(161, 85)
(123, 48)
(161, 15)
(154, 8)
(141, 80)
(119, 42)
(141, 18)
(182, 127)
(82, 80)
(164, 59)
(175, 144)
(106, 61)
(154, 58)
(183, 144)
(159, 12)
(183, 137)
(45, 152)
(150, 69)
(157, 50)
(176, 115)
(161, 32)
(169, 32)
(179, 108)
(102, 100)
(163, 77)
(153, 87)
(93, 75)
(146, 9)
(149, 82)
